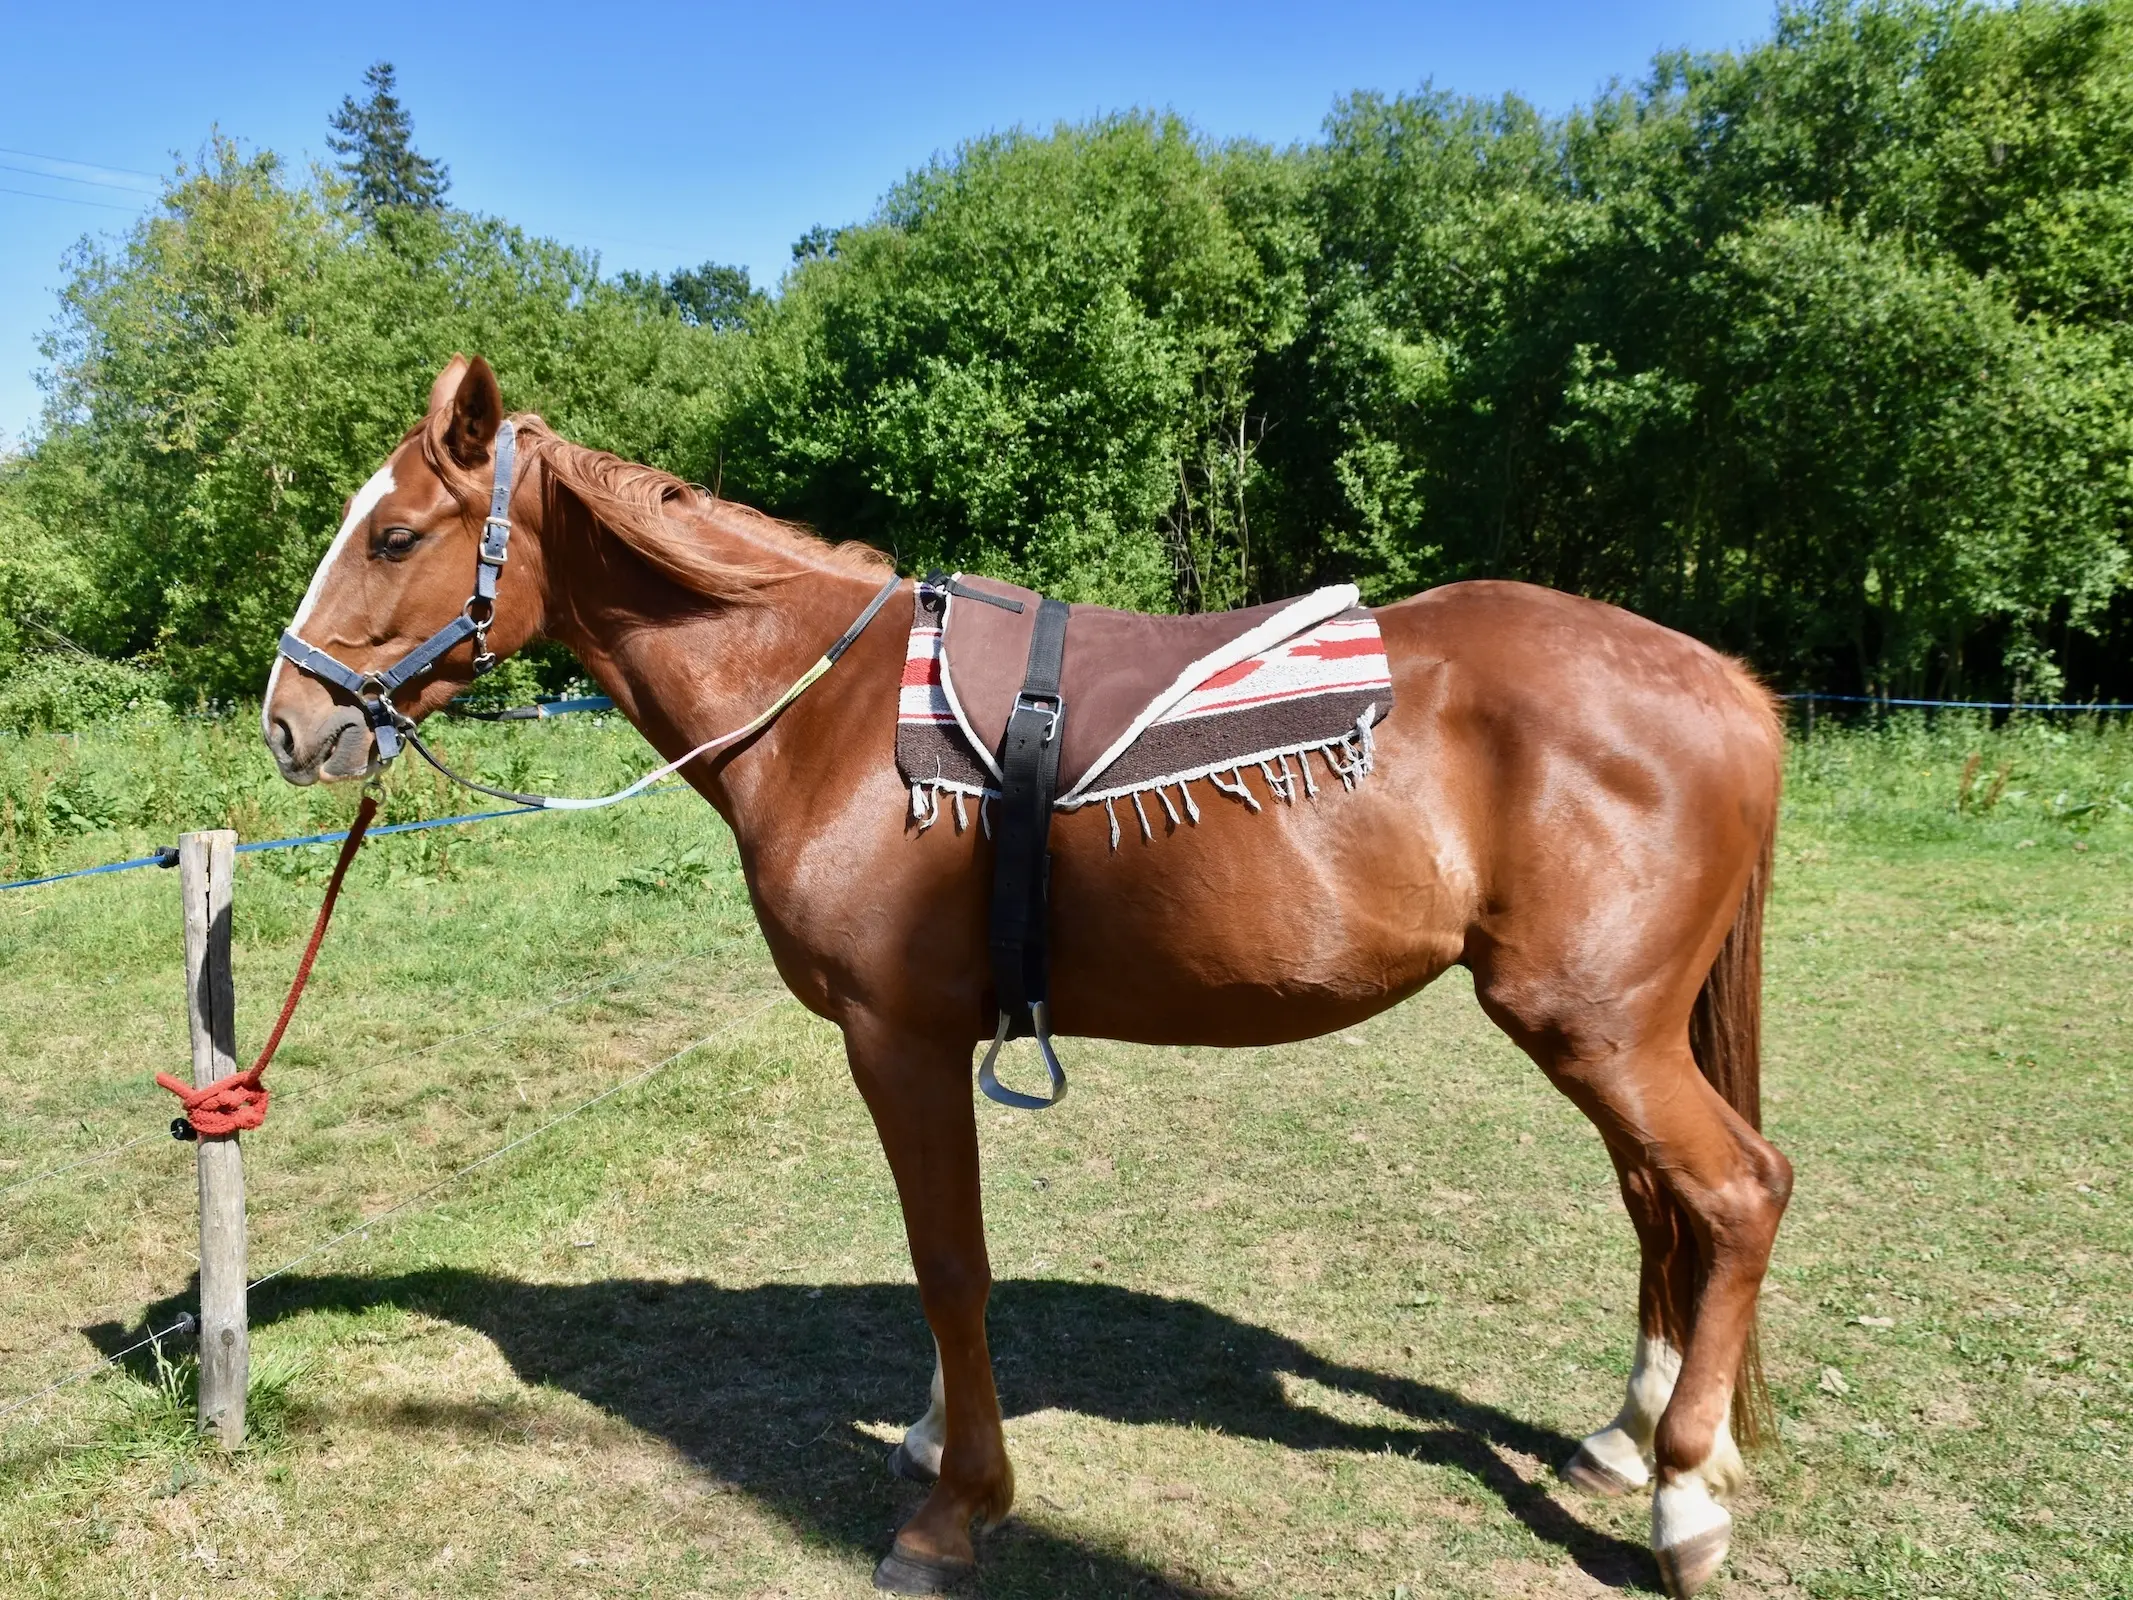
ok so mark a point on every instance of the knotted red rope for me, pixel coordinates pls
(239, 1102)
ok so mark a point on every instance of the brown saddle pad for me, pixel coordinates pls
(1117, 664)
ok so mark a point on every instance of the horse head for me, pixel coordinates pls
(390, 593)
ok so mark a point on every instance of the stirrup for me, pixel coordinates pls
(1040, 1019)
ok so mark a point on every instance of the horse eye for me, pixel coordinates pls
(399, 541)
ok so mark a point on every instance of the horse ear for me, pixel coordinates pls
(477, 410)
(447, 383)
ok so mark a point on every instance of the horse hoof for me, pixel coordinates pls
(1587, 1472)
(1690, 1532)
(902, 1572)
(903, 1464)
(1688, 1566)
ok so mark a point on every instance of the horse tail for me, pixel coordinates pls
(1725, 1035)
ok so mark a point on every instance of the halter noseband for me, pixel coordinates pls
(375, 689)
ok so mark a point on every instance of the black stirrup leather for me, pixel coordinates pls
(1020, 935)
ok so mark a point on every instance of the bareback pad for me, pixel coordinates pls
(1116, 663)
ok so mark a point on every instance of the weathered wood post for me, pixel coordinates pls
(207, 865)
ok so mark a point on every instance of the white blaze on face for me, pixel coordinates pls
(359, 509)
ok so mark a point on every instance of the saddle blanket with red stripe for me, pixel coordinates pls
(1290, 691)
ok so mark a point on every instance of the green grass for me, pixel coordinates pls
(1307, 1321)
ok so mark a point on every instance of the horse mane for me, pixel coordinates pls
(684, 531)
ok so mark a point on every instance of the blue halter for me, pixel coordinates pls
(374, 690)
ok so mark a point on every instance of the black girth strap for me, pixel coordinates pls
(1020, 935)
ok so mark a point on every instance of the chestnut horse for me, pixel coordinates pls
(1575, 804)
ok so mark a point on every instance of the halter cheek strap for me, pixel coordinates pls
(374, 689)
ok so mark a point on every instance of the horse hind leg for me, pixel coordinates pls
(1726, 1188)
(1708, 1189)
(1733, 1213)
(1617, 1459)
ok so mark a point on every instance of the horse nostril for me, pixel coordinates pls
(285, 737)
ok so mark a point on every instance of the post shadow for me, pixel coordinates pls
(760, 1386)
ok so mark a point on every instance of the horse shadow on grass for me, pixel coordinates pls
(762, 1388)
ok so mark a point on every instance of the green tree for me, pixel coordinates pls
(375, 139)
(1034, 360)
(1800, 350)
(1819, 351)
(711, 296)
(230, 373)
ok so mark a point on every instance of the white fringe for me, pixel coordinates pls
(1350, 758)
(926, 803)
(1240, 788)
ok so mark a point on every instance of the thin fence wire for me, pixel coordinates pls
(90, 1160)
(527, 1138)
(186, 1320)
(286, 1095)
(651, 970)
(185, 1324)
(2074, 708)
(156, 860)
(167, 855)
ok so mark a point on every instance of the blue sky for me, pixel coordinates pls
(667, 134)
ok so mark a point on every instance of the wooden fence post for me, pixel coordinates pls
(207, 864)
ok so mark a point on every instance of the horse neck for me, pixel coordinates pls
(686, 667)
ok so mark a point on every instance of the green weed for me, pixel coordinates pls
(676, 872)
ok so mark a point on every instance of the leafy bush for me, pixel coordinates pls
(1955, 775)
(61, 690)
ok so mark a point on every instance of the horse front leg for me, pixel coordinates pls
(918, 1457)
(918, 1090)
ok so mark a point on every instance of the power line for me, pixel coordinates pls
(61, 177)
(69, 200)
(68, 161)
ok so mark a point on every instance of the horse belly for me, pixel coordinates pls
(1256, 928)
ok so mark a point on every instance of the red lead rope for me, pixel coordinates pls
(238, 1102)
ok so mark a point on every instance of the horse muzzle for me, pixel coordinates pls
(336, 745)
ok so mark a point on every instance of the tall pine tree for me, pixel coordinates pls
(375, 141)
